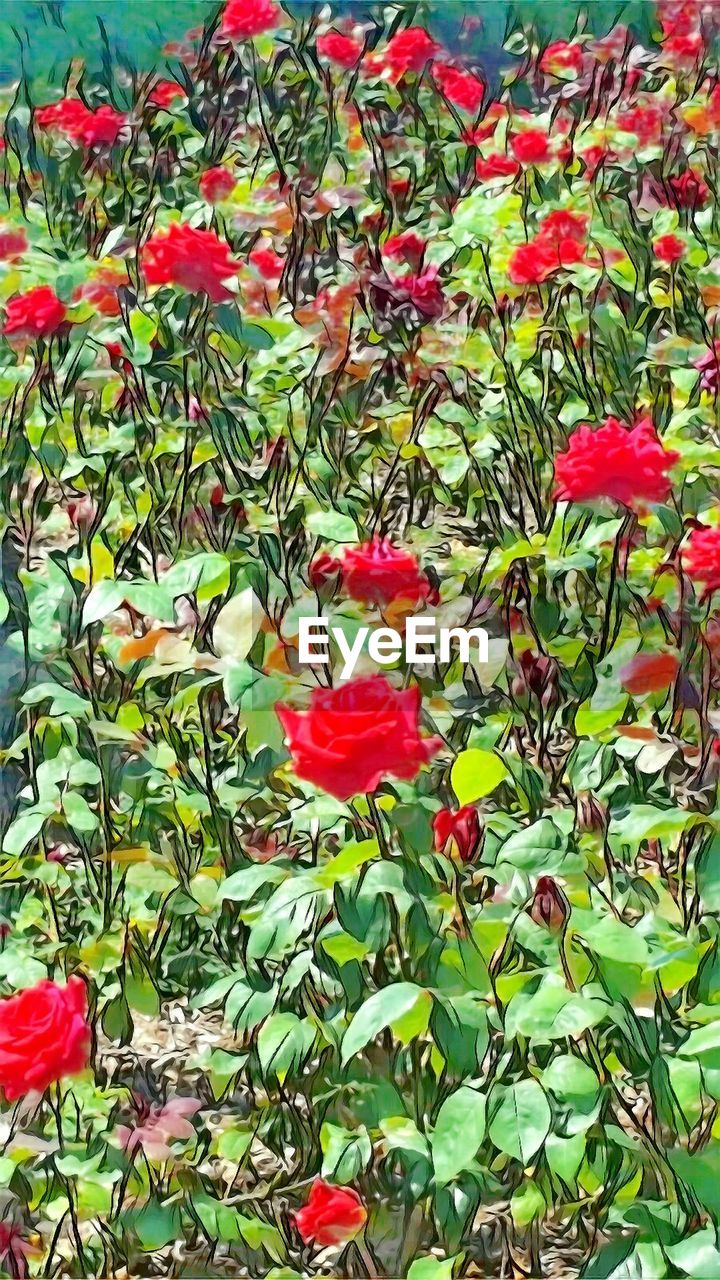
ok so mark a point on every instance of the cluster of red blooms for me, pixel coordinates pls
(374, 572)
(560, 242)
(356, 735)
(197, 260)
(627, 464)
(82, 126)
(39, 313)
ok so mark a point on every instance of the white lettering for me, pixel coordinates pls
(464, 638)
(384, 645)
(313, 632)
(414, 629)
(349, 652)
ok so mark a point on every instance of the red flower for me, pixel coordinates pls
(534, 262)
(267, 263)
(669, 248)
(102, 291)
(243, 19)
(196, 260)
(701, 558)
(561, 56)
(332, 1215)
(378, 573)
(216, 184)
(13, 244)
(409, 50)
(649, 672)
(628, 464)
(165, 92)
(407, 247)
(324, 570)
(689, 189)
(44, 1036)
(532, 146)
(462, 828)
(646, 122)
(561, 225)
(35, 314)
(355, 735)
(549, 906)
(684, 48)
(340, 49)
(595, 156)
(87, 128)
(460, 87)
(424, 291)
(496, 166)
(709, 367)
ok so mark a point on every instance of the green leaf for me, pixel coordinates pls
(521, 1121)
(527, 1204)
(332, 526)
(237, 625)
(283, 1042)
(459, 1130)
(346, 1152)
(430, 1268)
(388, 1007)
(475, 774)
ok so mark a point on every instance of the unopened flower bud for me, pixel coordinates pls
(549, 907)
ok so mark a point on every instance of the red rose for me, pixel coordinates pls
(689, 189)
(81, 125)
(13, 244)
(355, 735)
(332, 1215)
(549, 906)
(649, 672)
(196, 260)
(165, 92)
(462, 828)
(645, 121)
(216, 184)
(35, 314)
(669, 248)
(409, 50)
(378, 573)
(44, 1036)
(460, 87)
(267, 263)
(424, 291)
(709, 367)
(340, 49)
(406, 247)
(534, 262)
(593, 157)
(628, 464)
(243, 19)
(496, 166)
(701, 558)
(561, 225)
(324, 569)
(561, 56)
(532, 146)
(102, 291)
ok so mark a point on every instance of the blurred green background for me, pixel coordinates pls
(39, 37)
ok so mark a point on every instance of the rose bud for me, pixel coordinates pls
(462, 831)
(332, 1215)
(549, 907)
(81, 511)
(325, 571)
(591, 814)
